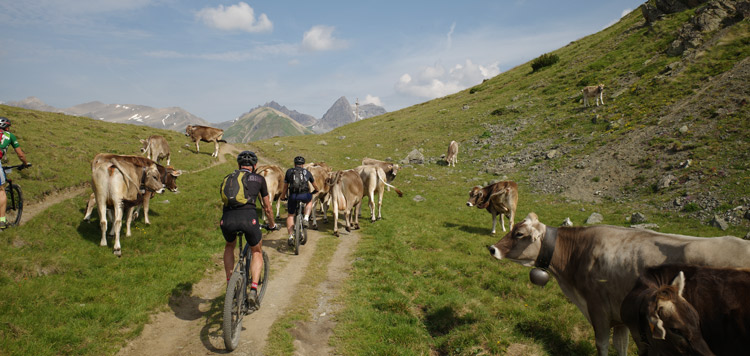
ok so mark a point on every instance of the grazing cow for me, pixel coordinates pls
(155, 148)
(500, 198)
(168, 178)
(452, 152)
(702, 312)
(373, 180)
(597, 266)
(346, 190)
(593, 92)
(118, 181)
(320, 172)
(275, 181)
(205, 134)
(390, 169)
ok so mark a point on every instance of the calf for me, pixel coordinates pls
(205, 134)
(373, 180)
(593, 92)
(117, 182)
(275, 182)
(500, 198)
(597, 266)
(346, 190)
(452, 152)
(156, 148)
(702, 312)
(390, 169)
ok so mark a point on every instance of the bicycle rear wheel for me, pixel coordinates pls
(234, 309)
(297, 232)
(14, 207)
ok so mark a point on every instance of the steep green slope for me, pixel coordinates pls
(263, 123)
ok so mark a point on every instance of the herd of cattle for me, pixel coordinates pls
(675, 294)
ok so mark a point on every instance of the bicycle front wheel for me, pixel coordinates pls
(14, 207)
(234, 310)
(264, 277)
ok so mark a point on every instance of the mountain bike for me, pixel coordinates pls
(14, 207)
(300, 231)
(235, 302)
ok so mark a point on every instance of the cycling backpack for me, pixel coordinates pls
(299, 182)
(232, 189)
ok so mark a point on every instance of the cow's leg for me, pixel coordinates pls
(502, 221)
(111, 217)
(130, 213)
(146, 203)
(620, 339)
(314, 212)
(90, 205)
(102, 208)
(494, 221)
(169, 157)
(601, 97)
(356, 218)
(600, 321)
(216, 149)
(335, 217)
(380, 203)
(350, 209)
(371, 204)
(197, 147)
(117, 224)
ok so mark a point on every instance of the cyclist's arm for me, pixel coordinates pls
(269, 212)
(21, 155)
(315, 187)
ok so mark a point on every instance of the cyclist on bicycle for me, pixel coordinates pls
(7, 138)
(244, 219)
(295, 184)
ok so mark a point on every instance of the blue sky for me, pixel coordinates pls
(219, 59)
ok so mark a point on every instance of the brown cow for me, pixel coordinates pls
(373, 180)
(117, 182)
(597, 266)
(500, 198)
(702, 312)
(390, 169)
(320, 172)
(593, 92)
(169, 180)
(275, 181)
(206, 134)
(450, 157)
(155, 148)
(346, 190)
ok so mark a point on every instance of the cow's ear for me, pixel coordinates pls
(657, 326)
(679, 283)
(143, 141)
(176, 173)
(536, 234)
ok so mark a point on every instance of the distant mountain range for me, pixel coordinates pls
(254, 125)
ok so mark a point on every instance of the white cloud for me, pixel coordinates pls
(235, 17)
(434, 82)
(320, 38)
(369, 99)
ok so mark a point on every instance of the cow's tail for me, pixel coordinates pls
(222, 140)
(400, 194)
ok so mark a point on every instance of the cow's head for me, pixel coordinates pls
(152, 179)
(170, 179)
(522, 243)
(674, 323)
(144, 145)
(392, 171)
(188, 130)
(476, 196)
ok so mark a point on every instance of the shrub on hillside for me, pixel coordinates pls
(544, 60)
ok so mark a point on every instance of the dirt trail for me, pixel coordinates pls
(192, 326)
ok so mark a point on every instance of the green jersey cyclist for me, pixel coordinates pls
(7, 138)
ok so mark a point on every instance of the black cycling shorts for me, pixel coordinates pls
(241, 220)
(291, 204)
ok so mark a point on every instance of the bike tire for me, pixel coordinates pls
(14, 207)
(297, 233)
(234, 310)
(264, 278)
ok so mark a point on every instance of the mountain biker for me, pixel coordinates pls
(7, 138)
(297, 194)
(245, 219)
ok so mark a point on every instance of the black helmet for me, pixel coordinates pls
(247, 158)
(299, 160)
(4, 123)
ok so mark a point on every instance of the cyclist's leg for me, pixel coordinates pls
(230, 236)
(3, 197)
(291, 204)
(256, 264)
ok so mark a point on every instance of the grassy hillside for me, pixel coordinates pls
(423, 282)
(263, 123)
